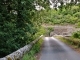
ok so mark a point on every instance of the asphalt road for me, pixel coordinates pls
(53, 49)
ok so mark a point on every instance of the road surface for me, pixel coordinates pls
(53, 49)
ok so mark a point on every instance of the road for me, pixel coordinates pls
(53, 49)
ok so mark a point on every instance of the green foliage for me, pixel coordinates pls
(75, 9)
(78, 25)
(77, 14)
(41, 31)
(76, 34)
(50, 29)
(17, 25)
(68, 15)
(43, 3)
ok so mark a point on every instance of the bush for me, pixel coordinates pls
(16, 27)
(75, 9)
(76, 34)
(41, 31)
(77, 14)
(50, 29)
(78, 25)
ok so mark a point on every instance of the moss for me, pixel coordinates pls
(9, 58)
(16, 58)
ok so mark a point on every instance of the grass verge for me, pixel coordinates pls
(35, 49)
(72, 42)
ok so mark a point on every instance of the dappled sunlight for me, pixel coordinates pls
(46, 38)
(65, 47)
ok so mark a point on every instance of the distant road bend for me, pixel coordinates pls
(53, 49)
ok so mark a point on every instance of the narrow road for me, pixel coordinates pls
(53, 49)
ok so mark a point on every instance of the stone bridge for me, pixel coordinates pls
(17, 55)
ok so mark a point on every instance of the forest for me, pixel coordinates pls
(20, 22)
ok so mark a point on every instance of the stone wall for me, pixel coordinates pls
(17, 55)
(62, 30)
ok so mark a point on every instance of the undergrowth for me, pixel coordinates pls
(35, 49)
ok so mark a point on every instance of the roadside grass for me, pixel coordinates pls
(32, 53)
(74, 42)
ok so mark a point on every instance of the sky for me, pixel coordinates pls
(53, 4)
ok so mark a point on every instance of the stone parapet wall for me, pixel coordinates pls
(17, 55)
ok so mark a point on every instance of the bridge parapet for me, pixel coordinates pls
(17, 55)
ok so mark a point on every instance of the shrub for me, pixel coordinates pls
(76, 34)
(77, 14)
(78, 25)
(75, 9)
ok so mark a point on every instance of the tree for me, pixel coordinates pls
(16, 27)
